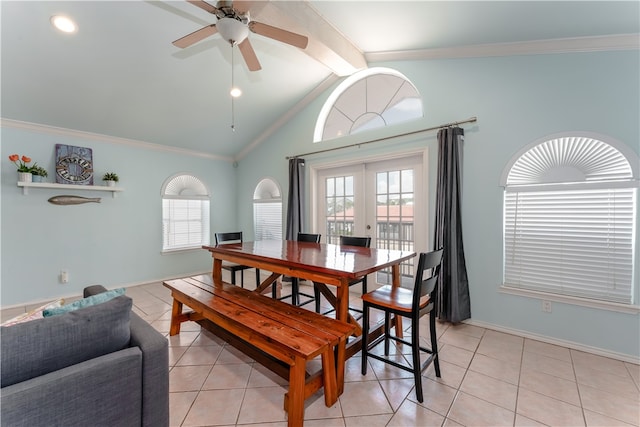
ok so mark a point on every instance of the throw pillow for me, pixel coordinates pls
(35, 348)
(36, 313)
(85, 302)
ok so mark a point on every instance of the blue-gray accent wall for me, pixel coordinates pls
(517, 99)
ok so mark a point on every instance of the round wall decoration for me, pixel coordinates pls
(74, 165)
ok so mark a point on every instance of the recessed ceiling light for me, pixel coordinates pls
(235, 92)
(64, 24)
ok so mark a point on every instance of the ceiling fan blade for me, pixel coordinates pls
(196, 36)
(249, 55)
(204, 5)
(279, 34)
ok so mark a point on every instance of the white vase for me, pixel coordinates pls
(111, 183)
(24, 176)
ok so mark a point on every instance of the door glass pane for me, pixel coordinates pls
(339, 201)
(407, 181)
(394, 218)
(394, 181)
(339, 185)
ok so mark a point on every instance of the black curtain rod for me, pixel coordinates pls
(469, 120)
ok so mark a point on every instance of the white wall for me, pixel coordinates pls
(517, 100)
(115, 243)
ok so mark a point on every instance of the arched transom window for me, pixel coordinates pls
(372, 98)
(569, 219)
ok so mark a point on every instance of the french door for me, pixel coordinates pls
(383, 199)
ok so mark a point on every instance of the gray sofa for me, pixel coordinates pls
(97, 366)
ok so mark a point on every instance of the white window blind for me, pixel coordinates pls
(185, 223)
(267, 211)
(267, 220)
(185, 213)
(569, 218)
(577, 243)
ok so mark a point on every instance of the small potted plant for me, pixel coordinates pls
(38, 173)
(24, 170)
(110, 178)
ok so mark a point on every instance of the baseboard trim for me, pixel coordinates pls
(555, 341)
(108, 286)
(180, 276)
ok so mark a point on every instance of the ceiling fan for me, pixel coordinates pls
(233, 24)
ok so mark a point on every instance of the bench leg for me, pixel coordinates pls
(297, 373)
(341, 358)
(176, 311)
(329, 378)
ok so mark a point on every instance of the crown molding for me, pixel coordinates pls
(536, 47)
(72, 133)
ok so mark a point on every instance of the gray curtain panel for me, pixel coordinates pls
(295, 201)
(453, 304)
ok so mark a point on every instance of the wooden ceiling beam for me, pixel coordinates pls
(326, 44)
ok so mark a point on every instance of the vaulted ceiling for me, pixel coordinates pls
(120, 75)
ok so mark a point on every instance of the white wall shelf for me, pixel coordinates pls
(26, 185)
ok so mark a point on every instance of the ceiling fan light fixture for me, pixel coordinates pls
(232, 30)
(64, 24)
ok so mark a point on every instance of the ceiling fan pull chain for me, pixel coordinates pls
(233, 118)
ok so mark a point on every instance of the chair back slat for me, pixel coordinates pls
(427, 276)
(231, 237)
(364, 242)
(309, 237)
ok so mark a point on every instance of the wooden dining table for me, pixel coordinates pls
(326, 265)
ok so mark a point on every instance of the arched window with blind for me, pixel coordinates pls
(267, 211)
(185, 213)
(570, 218)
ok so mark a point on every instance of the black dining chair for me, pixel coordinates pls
(295, 282)
(412, 303)
(364, 242)
(234, 237)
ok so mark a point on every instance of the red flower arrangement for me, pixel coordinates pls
(21, 163)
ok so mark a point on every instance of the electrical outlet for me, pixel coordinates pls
(64, 276)
(546, 306)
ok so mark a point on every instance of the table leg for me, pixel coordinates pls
(342, 306)
(333, 300)
(217, 271)
(395, 274)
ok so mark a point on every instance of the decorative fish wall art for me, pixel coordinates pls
(73, 200)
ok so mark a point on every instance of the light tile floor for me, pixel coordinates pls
(488, 378)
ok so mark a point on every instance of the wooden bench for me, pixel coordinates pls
(291, 335)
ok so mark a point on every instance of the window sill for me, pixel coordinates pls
(584, 302)
(179, 250)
